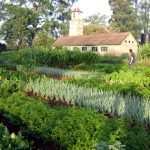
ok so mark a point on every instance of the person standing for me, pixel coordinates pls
(132, 59)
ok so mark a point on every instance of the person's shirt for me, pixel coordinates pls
(132, 58)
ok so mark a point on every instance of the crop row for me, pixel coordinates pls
(128, 106)
(51, 57)
(72, 128)
(125, 82)
(64, 72)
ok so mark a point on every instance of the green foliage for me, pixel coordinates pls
(18, 78)
(7, 88)
(124, 18)
(19, 30)
(57, 57)
(73, 128)
(145, 51)
(11, 141)
(92, 29)
(22, 20)
(42, 40)
(99, 67)
(64, 72)
(106, 146)
(125, 82)
(129, 82)
(143, 9)
(96, 19)
(112, 59)
(113, 103)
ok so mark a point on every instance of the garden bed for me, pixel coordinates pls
(36, 142)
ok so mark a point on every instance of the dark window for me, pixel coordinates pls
(132, 41)
(94, 49)
(84, 49)
(104, 49)
(125, 41)
(129, 41)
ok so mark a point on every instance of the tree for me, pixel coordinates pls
(23, 19)
(20, 27)
(92, 29)
(144, 10)
(124, 18)
(96, 19)
(96, 24)
(43, 40)
(145, 51)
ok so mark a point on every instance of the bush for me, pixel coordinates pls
(145, 51)
(57, 57)
(111, 59)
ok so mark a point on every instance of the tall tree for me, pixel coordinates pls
(22, 19)
(125, 18)
(144, 11)
(19, 27)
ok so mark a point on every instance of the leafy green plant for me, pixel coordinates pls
(11, 141)
(7, 88)
(106, 146)
(136, 82)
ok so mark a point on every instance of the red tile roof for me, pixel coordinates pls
(76, 10)
(101, 39)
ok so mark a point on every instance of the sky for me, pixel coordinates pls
(90, 7)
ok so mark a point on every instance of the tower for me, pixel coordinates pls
(76, 23)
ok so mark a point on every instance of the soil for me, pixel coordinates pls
(6, 122)
(51, 102)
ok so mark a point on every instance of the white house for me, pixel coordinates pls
(109, 43)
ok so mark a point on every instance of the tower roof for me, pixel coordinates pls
(76, 10)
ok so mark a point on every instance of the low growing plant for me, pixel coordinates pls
(11, 141)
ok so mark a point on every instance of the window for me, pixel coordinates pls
(125, 41)
(84, 49)
(94, 49)
(104, 49)
(129, 41)
(132, 41)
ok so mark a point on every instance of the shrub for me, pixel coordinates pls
(145, 51)
(57, 57)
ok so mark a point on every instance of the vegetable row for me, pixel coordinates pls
(72, 128)
(128, 106)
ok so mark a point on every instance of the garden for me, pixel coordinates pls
(56, 99)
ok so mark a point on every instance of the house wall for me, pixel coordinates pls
(116, 50)
(130, 43)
